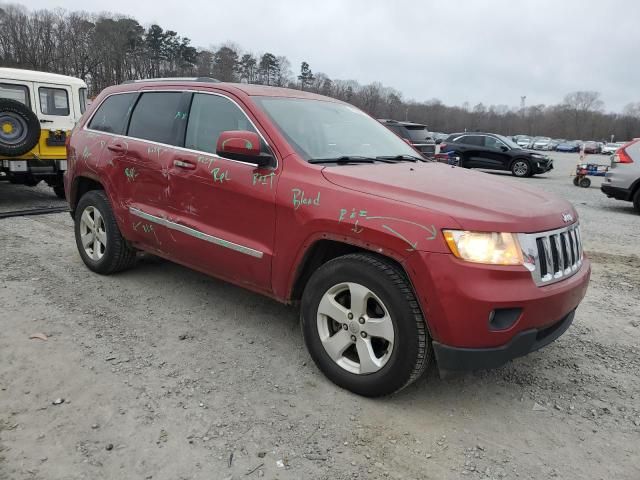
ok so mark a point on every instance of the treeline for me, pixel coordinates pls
(107, 49)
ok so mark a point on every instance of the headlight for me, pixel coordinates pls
(485, 247)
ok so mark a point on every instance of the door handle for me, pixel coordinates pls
(116, 147)
(184, 164)
(42, 120)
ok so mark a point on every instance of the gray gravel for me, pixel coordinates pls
(168, 374)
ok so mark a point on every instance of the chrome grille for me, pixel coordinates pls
(554, 255)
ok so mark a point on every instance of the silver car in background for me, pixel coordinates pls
(622, 181)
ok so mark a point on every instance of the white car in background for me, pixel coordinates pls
(611, 148)
(542, 143)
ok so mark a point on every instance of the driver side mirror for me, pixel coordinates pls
(244, 146)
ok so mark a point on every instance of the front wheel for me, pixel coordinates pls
(521, 168)
(585, 182)
(363, 327)
(636, 200)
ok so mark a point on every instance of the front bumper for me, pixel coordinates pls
(618, 193)
(460, 301)
(461, 359)
(542, 166)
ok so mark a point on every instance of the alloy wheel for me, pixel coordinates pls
(355, 328)
(93, 233)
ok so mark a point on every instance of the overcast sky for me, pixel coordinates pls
(490, 51)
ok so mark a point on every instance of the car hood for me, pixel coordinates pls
(475, 200)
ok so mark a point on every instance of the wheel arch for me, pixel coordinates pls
(321, 251)
(81, 185)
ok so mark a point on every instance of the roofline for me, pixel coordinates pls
(47, 77)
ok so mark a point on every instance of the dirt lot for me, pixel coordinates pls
(168, 374)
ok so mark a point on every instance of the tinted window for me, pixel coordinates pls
(112, 114)
(19, 93)
(419, 134)
(54, 101)
(154, 117)
(491, 142)
(472, 140)
(210, 116)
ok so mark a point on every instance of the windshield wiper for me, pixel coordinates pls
(410, 158)
(344, 159)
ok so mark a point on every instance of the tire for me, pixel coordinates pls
(395, 363)
(521, 168)
(636, 200)
(461, 160)
(19, 128)
(107, 251)
(576, 181)
(585, 182)
(59, 191)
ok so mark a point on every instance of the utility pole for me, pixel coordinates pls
(523, 100)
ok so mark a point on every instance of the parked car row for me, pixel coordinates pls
(563, 145)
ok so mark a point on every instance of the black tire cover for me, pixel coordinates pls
(19, 128)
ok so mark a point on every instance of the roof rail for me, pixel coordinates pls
(177, 79)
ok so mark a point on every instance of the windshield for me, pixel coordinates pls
(510, 143)
(329, 130)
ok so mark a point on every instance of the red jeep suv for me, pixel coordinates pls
(395, 260)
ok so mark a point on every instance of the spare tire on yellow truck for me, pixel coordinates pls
(38, 110)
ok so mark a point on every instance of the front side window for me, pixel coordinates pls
(54, 101)
(211, 115)
(83, 99)
(154, 117)
(19, 93)
(320, 129)
(111, 116)
(491, 142)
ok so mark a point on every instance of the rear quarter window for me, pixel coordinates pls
(54, 101)
(111, 116)
(19, 93)
(154, 116)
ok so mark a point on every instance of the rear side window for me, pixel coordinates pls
(111, 116)
(19, 93)
(54, 101)
(154, 116)
(471, 140)
(210, 116)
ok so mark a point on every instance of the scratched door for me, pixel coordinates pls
(140, 164)
(227, 206)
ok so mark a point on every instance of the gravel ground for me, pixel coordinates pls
(164, 373)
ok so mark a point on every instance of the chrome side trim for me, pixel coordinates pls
(196, 233)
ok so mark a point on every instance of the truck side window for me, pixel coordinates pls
(210, 116)
(54, 101)
(155, 117)
(19, 93)
(112, 115)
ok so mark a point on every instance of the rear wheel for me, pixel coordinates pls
(521, 168)
(585, 182)
(636, 200)
(363, 326)
(99, 241)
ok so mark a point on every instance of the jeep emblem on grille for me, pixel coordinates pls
(567, 217)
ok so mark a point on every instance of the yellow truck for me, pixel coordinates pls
(37, 112)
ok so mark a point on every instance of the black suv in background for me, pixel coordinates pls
(416, 134)
(491, 151)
